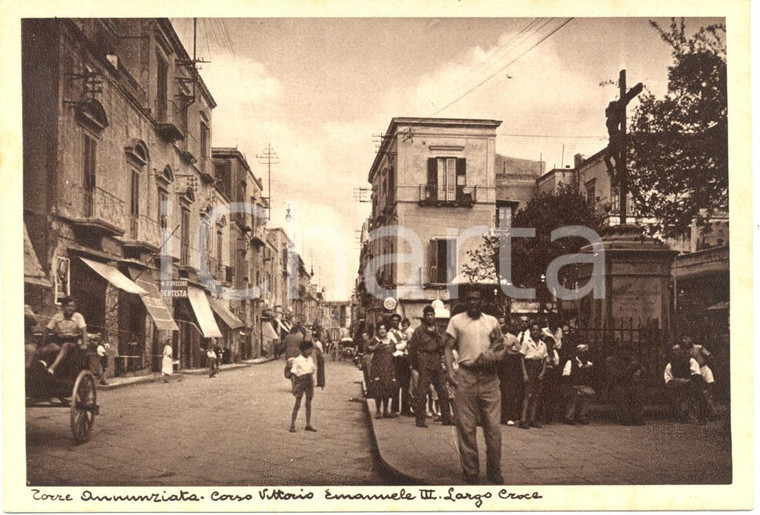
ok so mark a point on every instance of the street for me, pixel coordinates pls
(230, 430)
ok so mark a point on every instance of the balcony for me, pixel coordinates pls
(165, 127)
(463, 196)
(259, 236)
(144, 234)
(101, 212)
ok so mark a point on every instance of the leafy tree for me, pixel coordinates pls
(678, 145)
(531, 256)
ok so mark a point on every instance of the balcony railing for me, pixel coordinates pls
(95, 208)
(462, 196)
(144, 232)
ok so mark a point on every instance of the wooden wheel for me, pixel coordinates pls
(83, 406)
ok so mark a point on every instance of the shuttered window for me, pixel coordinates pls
(446, 178)
(442, 260)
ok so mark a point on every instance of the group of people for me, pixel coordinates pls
(689, 381)
(481, 371)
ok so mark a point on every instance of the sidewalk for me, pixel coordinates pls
(118, 382)
(602, 453)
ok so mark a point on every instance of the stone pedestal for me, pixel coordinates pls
(637, 276)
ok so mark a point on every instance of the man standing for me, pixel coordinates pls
(534, 361)
(401, 367)
(426, 358)
(511, 378)
(478, 340)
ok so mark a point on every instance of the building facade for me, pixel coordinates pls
(433, 197)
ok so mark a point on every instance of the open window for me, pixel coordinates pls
(442, 260)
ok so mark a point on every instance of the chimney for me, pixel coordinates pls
(578, 160)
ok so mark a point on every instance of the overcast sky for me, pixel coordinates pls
(318, 89)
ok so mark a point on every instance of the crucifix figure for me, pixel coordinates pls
(616, 129)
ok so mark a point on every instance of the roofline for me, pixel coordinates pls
(166, 24)
(222, 152)
(591, 158)
(428, 122)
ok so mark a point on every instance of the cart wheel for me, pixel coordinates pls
(83, 406)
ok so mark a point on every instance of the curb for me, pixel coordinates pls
(387, 468)
(121, 382)
(222, 368)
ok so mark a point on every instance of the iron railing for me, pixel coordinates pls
(96, 204)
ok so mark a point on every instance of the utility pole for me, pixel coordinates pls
(617, 130)
(269, 157)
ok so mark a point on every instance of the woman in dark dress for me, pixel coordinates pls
(382, 377)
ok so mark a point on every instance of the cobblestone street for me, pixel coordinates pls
(231, 430)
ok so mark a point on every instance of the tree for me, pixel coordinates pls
(531, 256)
(678, 145)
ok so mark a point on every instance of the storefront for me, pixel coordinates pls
(230, 327)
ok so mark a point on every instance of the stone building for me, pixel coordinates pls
(117, 128)
(433, 198)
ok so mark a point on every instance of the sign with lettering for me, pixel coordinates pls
(174, 288)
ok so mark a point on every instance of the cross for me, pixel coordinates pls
(616, 128)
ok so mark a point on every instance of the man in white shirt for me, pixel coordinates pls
(478, 340)
(402, 369)
(534, 366)
(683, 384)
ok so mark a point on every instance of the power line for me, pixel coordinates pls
(460, 97)
(558, 136)
(494, 60)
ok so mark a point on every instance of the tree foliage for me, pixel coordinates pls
(531, 256)
(678, 145)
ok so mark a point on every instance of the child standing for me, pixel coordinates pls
(302, 373)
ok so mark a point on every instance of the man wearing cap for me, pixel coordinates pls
(479, 343)
(425, 358)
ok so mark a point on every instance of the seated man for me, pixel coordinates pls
(683, 383)
(64, 332)
(577, 378)
(702, 357)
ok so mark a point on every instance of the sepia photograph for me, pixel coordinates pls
(462, 259)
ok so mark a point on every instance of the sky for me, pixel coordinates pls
(319, 89)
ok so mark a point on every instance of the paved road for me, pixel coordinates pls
(230, 430)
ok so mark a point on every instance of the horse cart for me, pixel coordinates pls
(72, 387)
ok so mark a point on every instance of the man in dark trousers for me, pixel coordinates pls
(401, 367)
(426, 359)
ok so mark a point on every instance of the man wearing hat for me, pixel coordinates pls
(577, 377)
(426, 359)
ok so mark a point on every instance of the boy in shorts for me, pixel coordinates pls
(302, 374)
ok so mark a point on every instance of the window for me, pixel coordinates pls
(134, 203)
(204, 140)
(162, 83)
(224, 177)
(391, 184)
(591, 191)
(219, 247)
(163, 202)
(446, 178)
(185, 237)
(89, 164)
(442, 261)
(503, 215)
(615, 201)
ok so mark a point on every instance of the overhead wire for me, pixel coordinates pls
(460, 97)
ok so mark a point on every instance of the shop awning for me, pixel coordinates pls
(33, 273)
(203, 313)
(268, 331)
(153, 301)
(225, 314)
(113, 276)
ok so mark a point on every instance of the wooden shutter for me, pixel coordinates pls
(433, 261)
(451, 259)
(432, 178)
